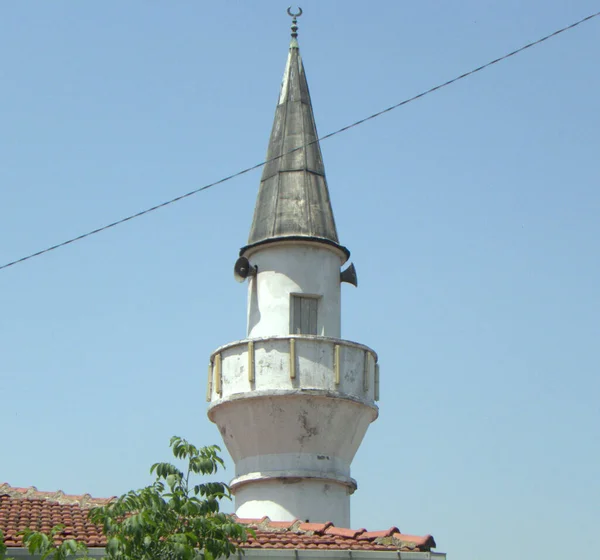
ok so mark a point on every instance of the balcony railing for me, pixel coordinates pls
(293, 363)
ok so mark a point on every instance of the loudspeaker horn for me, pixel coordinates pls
(243, 269)
(349, 275)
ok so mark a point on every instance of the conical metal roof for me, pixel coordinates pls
(293, 198)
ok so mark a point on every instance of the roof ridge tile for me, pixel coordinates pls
(285, 525)
(341, 532)
(59, 497)
(425, 540)
(258, 522)
(372, 535)
(315, 528)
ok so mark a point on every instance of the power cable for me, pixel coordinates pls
(330, 135)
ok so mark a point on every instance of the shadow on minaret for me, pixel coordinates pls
(254, 311)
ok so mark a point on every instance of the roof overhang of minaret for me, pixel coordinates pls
(293, 199)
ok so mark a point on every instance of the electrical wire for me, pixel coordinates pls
(330, 135)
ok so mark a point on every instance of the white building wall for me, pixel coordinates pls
(295, 267)
(311, 364)
(292, 435)
(309, 500)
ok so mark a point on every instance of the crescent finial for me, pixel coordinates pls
(294, 22)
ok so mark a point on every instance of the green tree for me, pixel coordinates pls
(49, 548)
(172, 519)
(2, 546)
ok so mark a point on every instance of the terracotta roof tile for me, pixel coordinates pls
(369, 535)
(252, 521)
(425, 541)
(285, 525)
(348, 533)
(22, 508)
(318, 528)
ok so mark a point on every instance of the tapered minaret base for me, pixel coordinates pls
(292, 421)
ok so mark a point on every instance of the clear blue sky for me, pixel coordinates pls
(472, 217)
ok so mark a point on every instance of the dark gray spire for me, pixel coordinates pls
(293, 199)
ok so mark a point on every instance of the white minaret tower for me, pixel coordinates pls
(293, 400)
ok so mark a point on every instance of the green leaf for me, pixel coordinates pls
(56, 529)
(113, 546)
(3, 547)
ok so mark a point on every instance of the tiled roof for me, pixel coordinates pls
(22, 508)
(296, 534)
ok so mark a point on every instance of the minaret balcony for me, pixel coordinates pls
(283, 365)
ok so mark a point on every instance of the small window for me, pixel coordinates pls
(304, 315)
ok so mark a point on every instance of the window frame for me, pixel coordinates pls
(293, 297)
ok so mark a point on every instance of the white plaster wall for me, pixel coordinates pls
(296, 434)
(299, 462)
(314, 365)
(293, 268)
(310, 500)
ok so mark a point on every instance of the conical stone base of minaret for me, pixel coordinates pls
(293, 411)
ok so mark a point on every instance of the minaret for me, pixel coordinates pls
(293, 400)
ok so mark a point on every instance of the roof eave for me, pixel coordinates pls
(296, 238)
